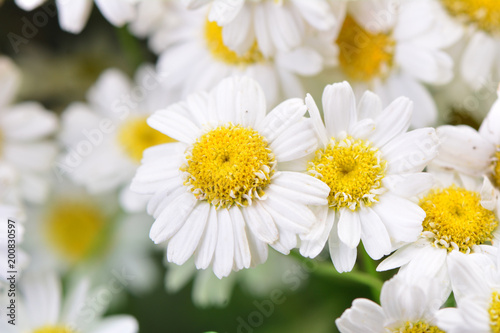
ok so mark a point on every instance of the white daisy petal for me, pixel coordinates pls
(295, 142)
(260, 222)
(204, 254)
(316, 119)
(281, 117)
(363, 316)
(27, 121)
(339, 106)
(408, 185)
(349, 228)
(174, 125)
(224, 250)
(300, 187)
(73, 15)
(369, 106)
(117, 324)
(238, 35)
(394, 120)
(296, 218)
(225, 11)
(314, 242)
(118, 12)
(258, 249)
(489, 129)
(478, 57)
(374, 234)
(242, 256)
(10, 78)
(343, 256)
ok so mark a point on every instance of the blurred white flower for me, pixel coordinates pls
(405, 307)
(274, 25)
(26, 152)
(218, 193)
(460, 217)
(105, 138)
(373, 168)
(393, 48)
(73, 14)
(196, 59)
(42, 308)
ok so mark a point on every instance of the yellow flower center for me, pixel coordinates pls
(74, 228)
(135, 136)
(230, 165)
(418, 327)
(53, 329)
(494, 312)
(363, 55)
(496, 168)
(353, 170)
(484, 14)
(216, 46)
(455, 219)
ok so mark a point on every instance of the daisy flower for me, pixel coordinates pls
(42, 308)
(476, 287)
(196, 58)
(24, 137)
(475, 153)
(460, 217)
(218, 193)
(393, 48)
(275, 25)
(372, 167)
(73, 15)
(105, 138)
(82, 234)
(478, 22)
(405, 308)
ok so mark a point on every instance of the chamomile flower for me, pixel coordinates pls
(42, 308)
(105, 138)
(475, 153)
(196, 58)
(275, 25)
(373, 168)
(218, 193)
(405, 308)
(83, 234)
(393, 48)
(478, 22)
(25, 129)
(460, 217)
(476, 287)
(73, 15)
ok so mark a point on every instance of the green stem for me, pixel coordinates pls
(130, 47)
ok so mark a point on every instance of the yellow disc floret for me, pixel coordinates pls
(484, 14)
(53, 329)
(364, 55)
(455, 219)
(135, 136)
(494, 312)
(418, 327)
(217, 48)
(74, 228)
(230, 165)
(353, 170)
(496, 168)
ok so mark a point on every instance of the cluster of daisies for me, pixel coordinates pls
(223, 151)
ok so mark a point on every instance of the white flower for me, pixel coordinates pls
(73, 14)
(218, 192)
(478, 24)
(393, 48)
(475, 153)
(275, 25)
(26, 153)
(405, 307)
(83, 234)
(105, 138)
(460, 217)
(41, 307)
(476, 287)
(196, 58)
(373, 167)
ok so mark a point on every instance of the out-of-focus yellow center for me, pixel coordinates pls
(135, 136)
(494, 312)
(53, 329)
(353, 170)
(418, 327)
(74, 228)
(496, 168)
(484, 14)
(363, 55)
(230, 165)
(216, 46)
(455, 219)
